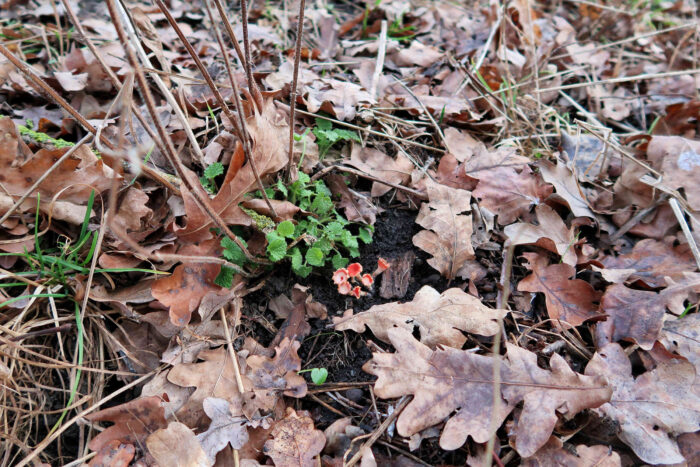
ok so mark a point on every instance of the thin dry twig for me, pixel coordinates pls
(295, 81)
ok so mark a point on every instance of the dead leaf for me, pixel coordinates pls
(294, 441)
(457, 385)
(417, 54)
(637, 315)
(133, 422)
(652, 261)
(114, 454)
(555, 454)
(71, 82)
(177, 445)
(396, 170)
(269, 133)
(283, 306)
(679, 160)
(448, 232)
(566, 186)
(651, 408)
(440, 318)
(357, 208)
(570, 302)
(213, 377)
(510, 193)
(21, 169)
(228, 426)
(184, 289)
(551, 233)
(682, 336)
(338, 98)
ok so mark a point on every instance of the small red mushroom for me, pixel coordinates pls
(344, 288)
(367, 280)
(356, 292)
(340, 276)
(354, 269)
(382, 265)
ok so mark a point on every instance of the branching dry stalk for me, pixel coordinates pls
(295, 80)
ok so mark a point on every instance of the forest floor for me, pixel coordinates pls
(482, 248)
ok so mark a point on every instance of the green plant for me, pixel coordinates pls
(210, 173)
(322, 236)
(398, 32)
(318, 375)
(327, 136)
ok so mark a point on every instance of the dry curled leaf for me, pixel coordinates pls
(228, 426)
(555, 454)
(551, 234)
(440, 318)
(177, 445)
(448, 231)
(133, 422)
(570, 302)
(652, 408)
(458, 385)
(637, 315)
(652, 261)
(183, 290)
(213, 377)
(396, 170)
(295, 442)
(74, 178)
(682, 335)
(269, 134)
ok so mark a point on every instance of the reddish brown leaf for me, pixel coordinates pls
(679, 159)
(114, 454)
(652, 407)
(294, 441)
(570, 302)
(652, 261)
(184, 289)
(396, 170)
(133, 422)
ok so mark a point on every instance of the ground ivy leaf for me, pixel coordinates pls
(286, 229)
(214, 170)
(314, 256)
(276, 247)
(225, 277)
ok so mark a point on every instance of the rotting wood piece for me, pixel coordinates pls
(395, 280)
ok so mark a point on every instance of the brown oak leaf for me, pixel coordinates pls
(679, 160)
(440, 318)
(682, 335)
(114, 454)
(396, 170)
(651, 408)
(653, 261)
(269, 133)
(133, 422)
(295, 442)
(508, 192)
(457, 385)
(555, 454)
(551, 233)
(177, 445)
(183, 290)
(570, 302)
(448, 232)
(228, 426)
(637, 315)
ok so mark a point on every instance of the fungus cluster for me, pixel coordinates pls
(344, 278)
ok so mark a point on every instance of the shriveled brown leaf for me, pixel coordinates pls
(75, 178)
(133, 422)
(269, 133)
(637, 315)
(114, 454)
(417, 54)
(71, 82)
(682, 335)
(339, 98)
(679, 160)
(177, 445)
(551, 234)
(555, 454)
(508, 192)
(295, 442)
(652, 261)
(228, 426)
(439, 317)
(283, 306)
(446, 380)
(284, 209)
(570, 302)
(184, 289)
(652, 408)
(396, 170)
(273, 377)
(448, 231)
(566, 187)
(357, 208)
(213, 377)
